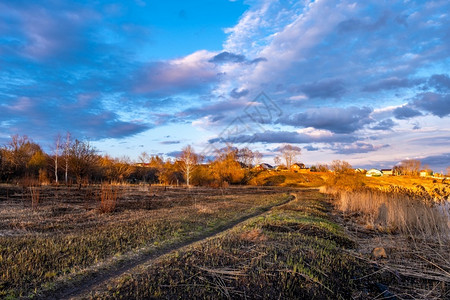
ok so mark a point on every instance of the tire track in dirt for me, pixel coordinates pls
(90, 282)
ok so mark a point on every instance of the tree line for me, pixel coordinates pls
(73, 161)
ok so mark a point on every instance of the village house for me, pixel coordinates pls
(374, 173)
(281, 168)
(297, 167)
(387, 172)
(426, 173)
(263, 166)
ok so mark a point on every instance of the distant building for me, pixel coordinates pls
(263, 166)
(426, 173)
(143, 165)
(359, 170)
(281, 168)
(387, 172)
(298, 166)
(374, 173)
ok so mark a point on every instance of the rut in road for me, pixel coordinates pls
(96, 279)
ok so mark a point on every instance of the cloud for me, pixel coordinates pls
(170, 142)
(235, 93)
(216, 111)
(437, 104)
(288, 147)
(333, 88)
(186, 74)
(391, 84)
(358, 147)
(441, 82)
(285, 137)
(405, 112)
(311, 148)
(174, 154)
(386, 124)
(227, 57)
(437, 162)
(338, 120)
(85, 118)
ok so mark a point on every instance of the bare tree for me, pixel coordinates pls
(290, 154)
(144, 158)
(67, 146)
(56, 155)
(189, 160)
(277, 160)
(410, 166)
(245, 156)
(258, 157)
(82, 160)
(341, 167)
(448, 170)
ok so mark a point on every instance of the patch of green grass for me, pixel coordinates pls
(294, 251)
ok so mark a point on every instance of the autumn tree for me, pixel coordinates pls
(172, 172)
(248, 157)
(410, 167)
(116, 169)
(188, 161)
(341, 167)
(151, 168)
(290, 154)
(82, 160)
(23, 157)
(226, 168)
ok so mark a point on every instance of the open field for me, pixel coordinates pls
(293, 251)
(65, 236)
(119, 242)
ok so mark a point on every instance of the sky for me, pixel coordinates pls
(363, 81)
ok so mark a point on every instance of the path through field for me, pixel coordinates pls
(88, 284)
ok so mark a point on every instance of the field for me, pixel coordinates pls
(120, 242)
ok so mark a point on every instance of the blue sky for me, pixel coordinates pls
(363, 81)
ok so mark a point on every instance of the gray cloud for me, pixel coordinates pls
(338, 120)
(391, 84)
(441, 82)
(357, 148)
(228, 57)
(332, 88)
(437, 162)
(405, 112)
(235, 93)
(286, 137)
(386, 124)
(170, 142)
(437, 104)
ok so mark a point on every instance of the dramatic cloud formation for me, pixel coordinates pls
(336, 74)
(338, 120)
(406, 112)
(437, 104)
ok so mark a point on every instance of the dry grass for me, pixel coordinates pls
(34, 192)
(396, 212)
(67, 237)
(108, 198)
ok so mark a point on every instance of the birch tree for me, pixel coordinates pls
(188, 161)
(67, 146)
(56, 155)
